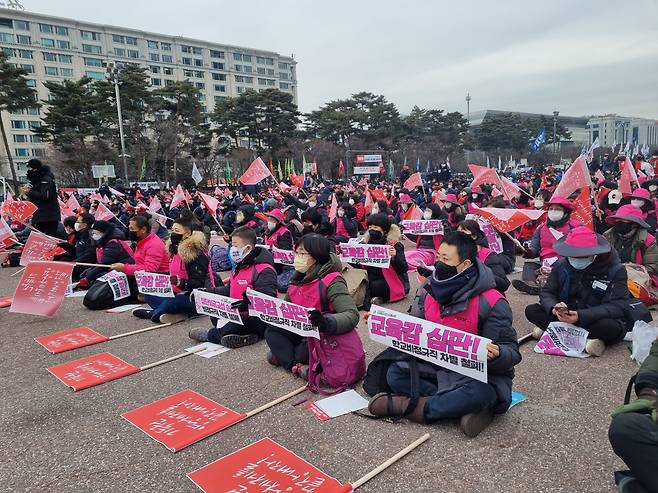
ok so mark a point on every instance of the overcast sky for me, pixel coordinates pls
(580, 57)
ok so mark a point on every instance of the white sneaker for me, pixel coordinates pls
(172, 318)
(537, 333)
(595, 347)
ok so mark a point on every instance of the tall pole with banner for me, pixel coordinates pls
(113, 73)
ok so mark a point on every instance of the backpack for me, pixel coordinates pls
(100, 296)
(337, 361)
(219, 259)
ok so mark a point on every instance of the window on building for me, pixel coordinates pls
(196, 50)
(187, 61)
(133, 54)
(200, 85)
(247, 68)
(154, 69)
(154, 57)
(52, 71)
(198, 74)
(198, 62)
(120, 52)
(36, 139)
(8, 38)
(249, 80)
(218, 76)
(260, 59)
(284, 85)
(283, 66)
(156, 82)
(168, 71)
(220, 88)
(47, 42)
(96, 50)
(22, 25)
(93, 62)
(220, 98)
(165, 46)
(116, 38)
(18, 124)
(216, 54)
(131, 41)
(261, 70)
(271, 82)
(153, 45)
(90, 35)
(186, 49)
(9, 52)
(237, 56)
(238, 68)
(34, 124)
(68, 59)
(168, 82)
(38, 152)
(270, 71)
(284, 75)
(63, 45)
(49, 57)
(4, 22)
(188, 73)
(239, 78)
(46, 28)
(28, 68)
(218, 65)
(95, 75)
(21, 152)
(21, 139)
(26, 54)
(246, 58)
(240, 90)
(61, 31)
(262, 82)
(167, 59)
(21, 39)
(31, 83)
(66, 72)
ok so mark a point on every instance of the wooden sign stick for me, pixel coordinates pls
(126, 334)
(264, 407)
(167, 360)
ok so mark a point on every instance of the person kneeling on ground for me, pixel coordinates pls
(588, 288)
(318, 284)
(634, 431)
(254, 269)
(460, 294)
(188, 270)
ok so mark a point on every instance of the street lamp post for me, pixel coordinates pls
(113, 73)
(555, 115)
(468, 106)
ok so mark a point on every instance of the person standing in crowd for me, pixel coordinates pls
(42, 192)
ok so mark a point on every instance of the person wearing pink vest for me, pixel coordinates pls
(318, 284)
(254, 269)
(558, 223)
(189, 269)
(150, 252)
(278, 235)
(345, 223)
(488, 257)
(461, 295)
(390, 284)
(426, 245)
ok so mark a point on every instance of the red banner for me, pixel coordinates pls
(39, 247)
(6, 301)
(20, 210)
(7, 237)
(66, 340)
(182, 419)
(42, 288)
(94, 370)
(211, 203)
(506, 220)
(256, 172)
(264, 466)
(103, 213)
(413, 181)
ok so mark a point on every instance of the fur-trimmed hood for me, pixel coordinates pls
(394, 235)
(192, 247)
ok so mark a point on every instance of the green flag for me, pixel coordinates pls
(278, 169)
(227, 171)
(391, 170)
(142, 173)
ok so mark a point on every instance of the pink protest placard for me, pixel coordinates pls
(6, 301)
(182, 419)
(20, 210)
(423, 227)
(282, 314)
(42, 288)
(66, 340)
(365, 254)
(154, 284)
(94, 370)
(563, 339)
(263, 466)
(284, 257)
(39, 247)
(215, 305)
(441, 345)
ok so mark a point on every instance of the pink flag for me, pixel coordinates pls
(363, 182)
(19, 209)
(600, 177)
(506, 220)
(155, 205)
(116, 192)
(482, 174)
(256, 172)
(179, 196)
(495, 192)
(575, 178)
(627, 177)
(413, 181)
(7, 237)
(42, 288)
(333, 209)
(283, 187)
(103, 213)
(413, 213)
(227, 193)
(510, 189)
(367, 206)
(211, 203)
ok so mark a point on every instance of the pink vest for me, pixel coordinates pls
(467, 320)
(435, 238)
(483, 253)
(245, 279)
(340, 228)
(99, 249)
(273, 239)
(546, 238)
(177, 268)
(395, 286)
(308, 295)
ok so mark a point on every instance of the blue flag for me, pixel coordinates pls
(417, 164)
(539, 140)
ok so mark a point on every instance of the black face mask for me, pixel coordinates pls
(175, 238)
(31, 173)
(443, 271)
(624, 228)
(375, 236)
(132, 236)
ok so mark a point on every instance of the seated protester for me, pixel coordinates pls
(608, 205)
(318, 284)
(641, 198)
(245, 216)
(227, 214)
(633, 432)
(315, 222)
(291, 220)
(507, 255)
(541, 244)
(254, 268)
(475, 199)
(390, 284)
(356, 201)
(150, 252)
(460, 294)
(588, 288)
(456, 213)
(631, 239)
(345, 223)
(381, 207)
(188, 269)
(69, 245)
(111, 248)
(485, 254)
(426, 245)
(278, 235)
(83, 248)
(406, 202)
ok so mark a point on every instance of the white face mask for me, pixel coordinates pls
(301, 263)
(427, 215)
(96, 236)
(238, 254)
(271, 225)
(637, 203)
(581, 263)
(341, 213)
(351, 201)
(539, 204)
(375, 210)
(312, 204)
(555, 216)
(239, 217)
(77, 226)
(405, 207)
(474, 196)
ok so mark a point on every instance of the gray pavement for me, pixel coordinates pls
(57, 440)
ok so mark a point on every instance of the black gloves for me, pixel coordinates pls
(326, 325)
(242, 305)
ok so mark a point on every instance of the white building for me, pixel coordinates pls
(611, 129)
(56, 49)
